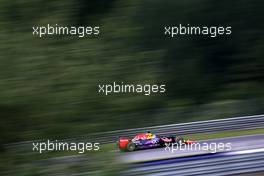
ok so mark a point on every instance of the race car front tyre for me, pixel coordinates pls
(131, 146)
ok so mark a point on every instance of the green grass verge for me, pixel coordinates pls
(222, 134)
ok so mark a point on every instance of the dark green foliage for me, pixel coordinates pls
(48, 86)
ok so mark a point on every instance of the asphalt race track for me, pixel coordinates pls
(245, 156)
(239, 143)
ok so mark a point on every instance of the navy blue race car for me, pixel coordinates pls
(148, 140)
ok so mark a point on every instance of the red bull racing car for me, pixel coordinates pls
(149, 140)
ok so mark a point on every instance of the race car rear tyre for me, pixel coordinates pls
(179, 140)
(131, 146)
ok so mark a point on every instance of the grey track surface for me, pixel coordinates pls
(221, 164)
(239, 143)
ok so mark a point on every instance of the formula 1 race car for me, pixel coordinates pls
(149, 140)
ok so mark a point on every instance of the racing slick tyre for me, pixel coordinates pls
(131, 146)
(179, 140)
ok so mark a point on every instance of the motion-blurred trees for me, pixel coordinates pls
(52, 82)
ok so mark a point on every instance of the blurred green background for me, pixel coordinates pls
(49, 85)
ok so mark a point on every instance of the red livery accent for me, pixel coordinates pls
(189, 142)
(141, 136)
(123, 141)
